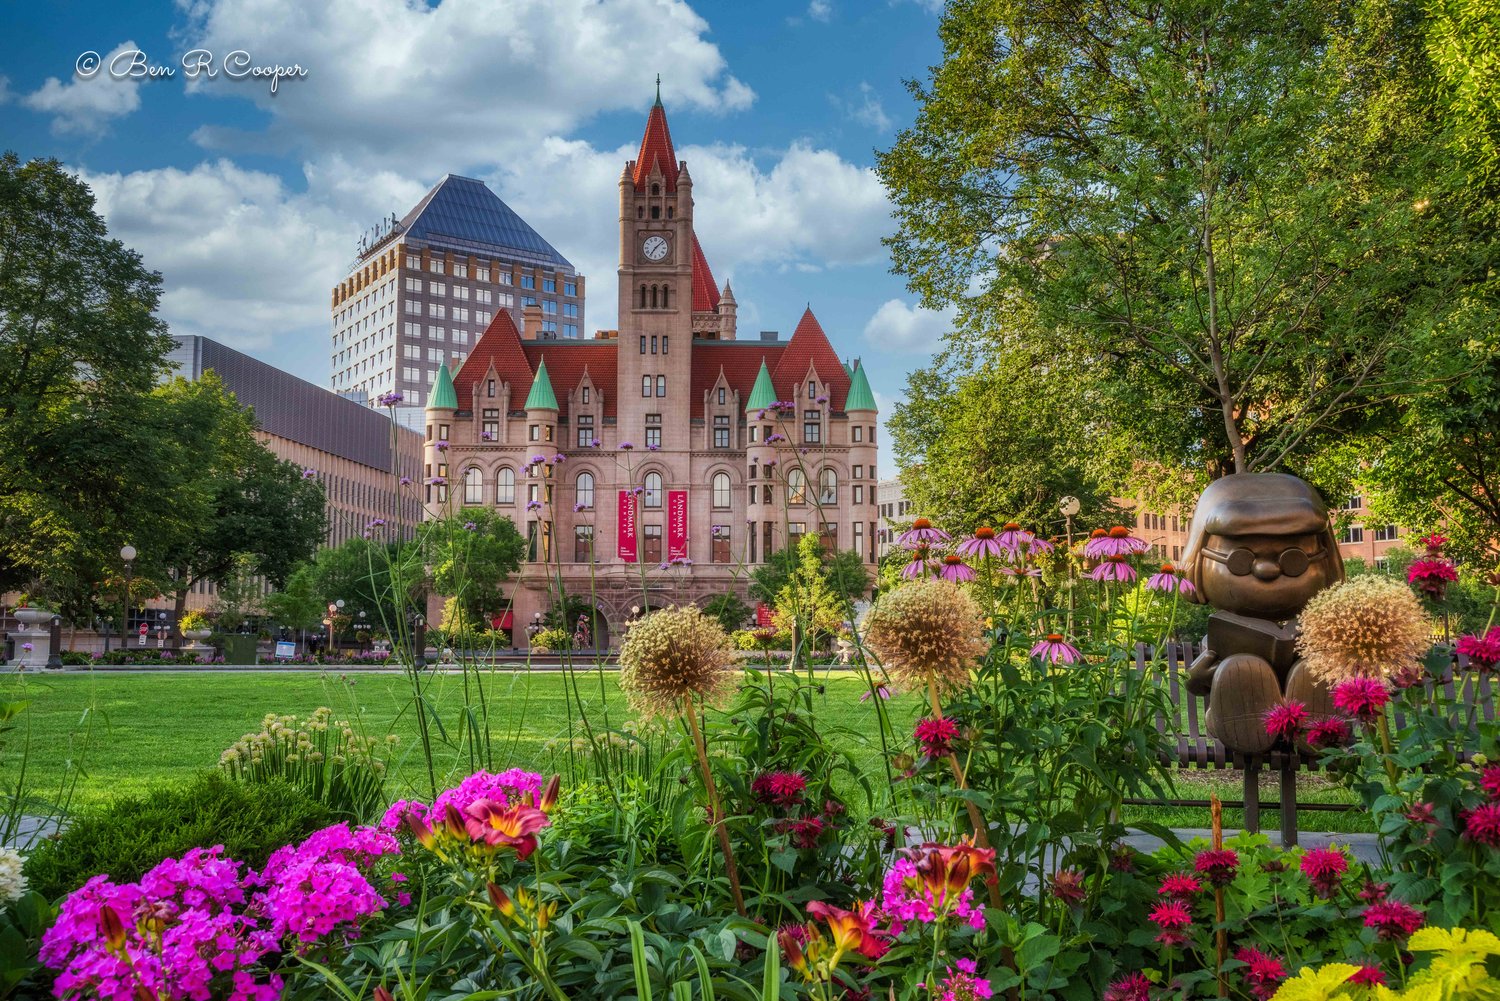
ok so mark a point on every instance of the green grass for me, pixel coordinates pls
(130, 731)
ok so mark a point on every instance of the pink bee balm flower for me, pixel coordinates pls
(1167, 580)
(779, 788)
(1368, 976)
(1219, 865)
(1392, 920)
(1114, 567)
(955, 569)
(1431, 577)
(1483, 651)
(983, 543)
(1332, 731)
(1179, 886)
(936, 736)
(1489, 781)
(1132, 987)
(922, 531)
(1171, 917)
(1116, 542)
(1263, 973)
(1324, 869)
(1055, 650)
(1482, 825)
(1362, 698)
(1068, 886)
(1286, 721)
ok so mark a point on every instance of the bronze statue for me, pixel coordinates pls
(1260, 546)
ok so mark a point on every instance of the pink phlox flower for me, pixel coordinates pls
(505, 788)
(962, 985)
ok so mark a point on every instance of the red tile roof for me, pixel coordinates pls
(501, 344)
(656, 148)
(705, 290)
(566, 362)
(739, 361)
(516, 362)
(809, 347)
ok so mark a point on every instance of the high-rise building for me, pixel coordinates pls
(659, 462)
(423, 289)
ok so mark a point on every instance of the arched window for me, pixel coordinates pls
(653, 296)
(653, 489)
(656, 211)
(721, 490)
(666, 291)
(656, 189)
(796, 487)
(643, 306)
(640, 211)
(505, 485)
(585, 490)
(473, 486)
(828, 487)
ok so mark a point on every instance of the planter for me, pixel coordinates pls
(33, 616)
(197, 635)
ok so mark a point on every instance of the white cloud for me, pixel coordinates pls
(458, 85)
(243, 259)
(87, 104)
(865, 108)
(820, 10)
(899, 327)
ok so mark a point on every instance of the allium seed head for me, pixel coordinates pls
(1369, 627)
(928, 629)
(673, 655)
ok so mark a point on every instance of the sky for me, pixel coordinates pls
(250, 203)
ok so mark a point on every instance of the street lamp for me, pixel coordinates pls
(127, 553)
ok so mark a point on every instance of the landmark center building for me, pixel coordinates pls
(661, 461)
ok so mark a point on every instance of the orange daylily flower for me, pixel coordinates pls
(513, 826)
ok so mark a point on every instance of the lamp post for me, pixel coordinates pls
(127, 553)
(1069, 506)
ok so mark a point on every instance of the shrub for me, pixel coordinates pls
(192, 621)
(126, 838)
(322, 756)
(731, 612)
(549, 640)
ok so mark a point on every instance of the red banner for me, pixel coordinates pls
(677, 525)
(763, 615)
(625, 548)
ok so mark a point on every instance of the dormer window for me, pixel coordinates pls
(655, 189)
(585, 394)
(812, 390)
(490, 388)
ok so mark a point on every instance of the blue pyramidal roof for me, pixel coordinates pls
(465, 210)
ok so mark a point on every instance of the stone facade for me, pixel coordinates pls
(717, 450)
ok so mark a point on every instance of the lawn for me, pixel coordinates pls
(130, 731)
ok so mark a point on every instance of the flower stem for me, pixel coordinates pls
(717, 813)
(981, 831)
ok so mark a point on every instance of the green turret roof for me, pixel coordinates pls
(848, 371)
(860, 397)
(443, 397)
(541, 396)
(762, 394)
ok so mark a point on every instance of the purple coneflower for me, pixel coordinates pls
(1039, 545)
(1167, 580)
(1012, 537)
(922, 561)
(1023, 570)
(982, 543)
(1114, 567)
(882, 692)
(922, 531)
(1116, 542)
(1054, 649)
(954, 568)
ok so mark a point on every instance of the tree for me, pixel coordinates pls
(80, 347)
(806, 599)
(1230, 214)
(226, 497)
(382, 579)
(731, 612)
(844, 572)
(298, 604)
(473, 553)
(987, 441)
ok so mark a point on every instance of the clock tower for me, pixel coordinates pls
(656, 292)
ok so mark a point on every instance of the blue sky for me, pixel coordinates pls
(250, 203)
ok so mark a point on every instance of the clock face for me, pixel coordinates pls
(655, 248)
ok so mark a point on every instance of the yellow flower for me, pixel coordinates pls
(1316, 985)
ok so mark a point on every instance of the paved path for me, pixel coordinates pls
(1365, 847)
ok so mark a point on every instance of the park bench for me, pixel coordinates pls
(1194, 750)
